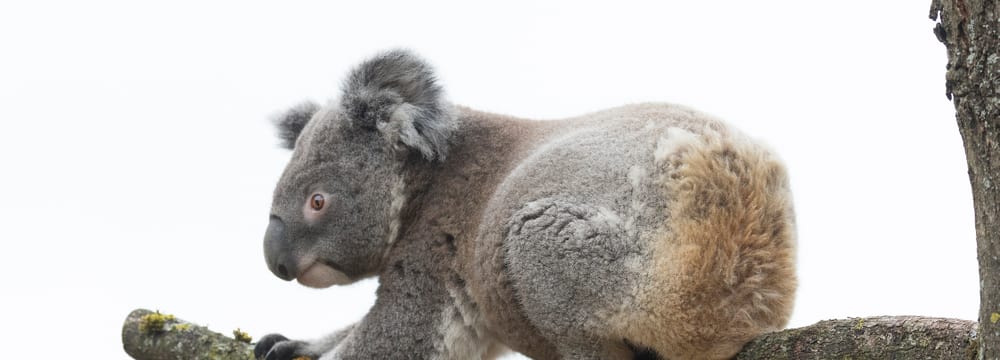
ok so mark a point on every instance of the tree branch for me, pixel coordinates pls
(880, 337)
(149, 335)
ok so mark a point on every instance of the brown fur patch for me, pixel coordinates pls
(723, 270)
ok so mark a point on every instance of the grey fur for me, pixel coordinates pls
(574, 258)
(398, 84)
(327, 343)
(291, 122)
(558, 239)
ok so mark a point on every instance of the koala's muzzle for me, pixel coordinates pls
(278, 250)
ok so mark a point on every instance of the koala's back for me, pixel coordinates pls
(645, 226)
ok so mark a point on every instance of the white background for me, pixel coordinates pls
(138, 162)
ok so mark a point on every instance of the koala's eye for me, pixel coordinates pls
(316, 202)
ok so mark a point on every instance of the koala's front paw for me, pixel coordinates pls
(278, 347)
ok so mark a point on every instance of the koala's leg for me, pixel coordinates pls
(574, 267)
(278, 347)
(327, 343)
(414, 317)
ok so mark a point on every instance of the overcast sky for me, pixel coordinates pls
(138, 161)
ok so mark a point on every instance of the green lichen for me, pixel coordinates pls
(242, 336)
(860, 325)
(154, 323)
(994, 317)
(217, 349)
(182, 327)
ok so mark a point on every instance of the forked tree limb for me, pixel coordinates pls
(880, 337)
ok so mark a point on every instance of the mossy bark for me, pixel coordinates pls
(970, 31)
(178, 340)
(885, 337)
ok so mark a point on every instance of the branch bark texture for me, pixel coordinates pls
(970, 31)
(883, 337)
(175, 339)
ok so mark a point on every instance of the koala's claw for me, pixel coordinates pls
(278, 347)
(265, 344)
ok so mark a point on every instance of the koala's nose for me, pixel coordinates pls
(278, 251)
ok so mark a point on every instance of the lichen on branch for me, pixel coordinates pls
(148, 335)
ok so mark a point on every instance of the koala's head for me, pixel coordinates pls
(336, 208)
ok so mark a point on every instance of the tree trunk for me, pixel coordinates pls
(883, 337)
(970, 30)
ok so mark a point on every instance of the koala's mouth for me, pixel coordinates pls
(322, 274)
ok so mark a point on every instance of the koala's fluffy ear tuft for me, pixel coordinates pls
(397, 94)
(292, 121)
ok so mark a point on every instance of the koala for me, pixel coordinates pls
(644, 231)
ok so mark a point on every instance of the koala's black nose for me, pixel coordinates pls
(283, 272)
(278, 251)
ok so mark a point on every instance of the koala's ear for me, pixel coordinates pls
(397, 94)
(292, 121)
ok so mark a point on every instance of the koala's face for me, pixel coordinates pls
(336, 208)
(332, 215)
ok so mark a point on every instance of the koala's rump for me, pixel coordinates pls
(582, 234)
